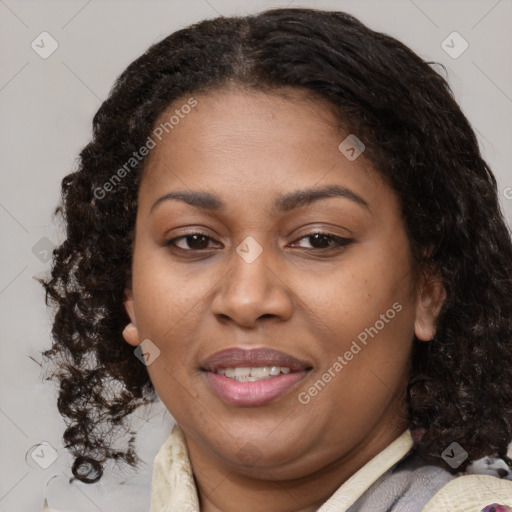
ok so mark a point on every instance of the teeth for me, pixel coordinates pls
(259, 373)
(253, 374)
(242, 372)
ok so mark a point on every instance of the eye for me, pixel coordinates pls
(190, 242)
(322, 241)
(197, 241)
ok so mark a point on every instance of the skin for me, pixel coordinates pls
(300, 297)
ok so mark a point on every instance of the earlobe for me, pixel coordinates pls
(130, 332)
(432, 295)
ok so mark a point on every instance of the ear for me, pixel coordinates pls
(130, 332)
(431, 297)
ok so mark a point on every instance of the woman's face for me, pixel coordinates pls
(327, 320)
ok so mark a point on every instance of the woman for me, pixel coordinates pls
(284, 229)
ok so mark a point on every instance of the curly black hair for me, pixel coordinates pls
(416, 136)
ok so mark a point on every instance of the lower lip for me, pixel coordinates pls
(252, 394)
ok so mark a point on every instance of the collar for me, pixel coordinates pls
(173, 487)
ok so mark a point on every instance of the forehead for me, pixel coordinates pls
(252, 142)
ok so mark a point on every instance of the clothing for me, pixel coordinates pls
(395, 480)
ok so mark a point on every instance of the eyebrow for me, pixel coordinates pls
(283, 204)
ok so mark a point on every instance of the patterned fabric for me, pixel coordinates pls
(406, 487)
(472, 493)
(173, 488)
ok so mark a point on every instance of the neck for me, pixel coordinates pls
(222, 488)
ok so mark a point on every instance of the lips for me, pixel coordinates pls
(226, 385)
(244, 358)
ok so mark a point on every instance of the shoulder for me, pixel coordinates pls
(471, 493)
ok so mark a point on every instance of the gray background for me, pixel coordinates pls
(46, 109)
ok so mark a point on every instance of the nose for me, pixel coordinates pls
(251, 290)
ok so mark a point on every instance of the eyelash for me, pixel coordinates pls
(339, 241)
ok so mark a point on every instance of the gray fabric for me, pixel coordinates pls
(406, 487)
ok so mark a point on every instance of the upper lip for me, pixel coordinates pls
(257, 357)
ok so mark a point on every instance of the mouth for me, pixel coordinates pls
(249, 374)
(250, 378)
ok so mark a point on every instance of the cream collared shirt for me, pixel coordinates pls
(174, 490)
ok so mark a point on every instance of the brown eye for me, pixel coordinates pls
(322, 241)
(191, 241)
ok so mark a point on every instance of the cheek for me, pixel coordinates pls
(168, 317)
(164, 294)
(365, 311)
(180, 397)
(367, 367)
(352, 295)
